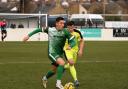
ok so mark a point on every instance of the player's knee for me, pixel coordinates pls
(71, 62)
(60, 61)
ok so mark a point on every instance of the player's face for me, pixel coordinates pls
(60, 24)
(70, 28)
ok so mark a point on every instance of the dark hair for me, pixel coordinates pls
(70, 23)
(59, 18)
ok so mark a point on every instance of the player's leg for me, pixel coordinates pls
(5, 34)
(2, 35)
(60, 70)
(71, 56)
(73, 70)
(55, 58)
(74, 75)
(52, 71)
(49, 74)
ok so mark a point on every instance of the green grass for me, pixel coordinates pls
(104, 65)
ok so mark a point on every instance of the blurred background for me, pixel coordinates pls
(111, 10)
(101, 14)
(56, 6)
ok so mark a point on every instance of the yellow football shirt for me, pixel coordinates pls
(78, 37)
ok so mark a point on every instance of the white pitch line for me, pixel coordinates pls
(102, 61)
(23, 62)
(48, 62)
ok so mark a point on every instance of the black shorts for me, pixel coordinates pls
(3, 31)
(55, 64)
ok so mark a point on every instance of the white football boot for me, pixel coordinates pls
(44, 80)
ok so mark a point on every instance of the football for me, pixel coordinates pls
(69, 85)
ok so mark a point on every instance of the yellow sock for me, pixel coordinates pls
(73, 72)
(66, 66)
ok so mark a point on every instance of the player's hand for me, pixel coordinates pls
(80, 53)
(25, 38)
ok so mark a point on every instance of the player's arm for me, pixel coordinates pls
(81, 47)
(81, 44)
(32, 33)
(37, 30)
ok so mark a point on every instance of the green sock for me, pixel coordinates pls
(60, 70)
(50, 74)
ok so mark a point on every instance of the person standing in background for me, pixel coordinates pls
(3, 30)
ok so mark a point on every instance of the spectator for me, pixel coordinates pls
(3, 30)
(89, 22)
(13, 26)
(20, 26)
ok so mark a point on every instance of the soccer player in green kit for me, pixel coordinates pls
(57, 38)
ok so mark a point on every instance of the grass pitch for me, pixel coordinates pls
(104, 65)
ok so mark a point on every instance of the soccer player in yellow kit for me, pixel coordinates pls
(71, 55)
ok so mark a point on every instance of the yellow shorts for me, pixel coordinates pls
(71, 54)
